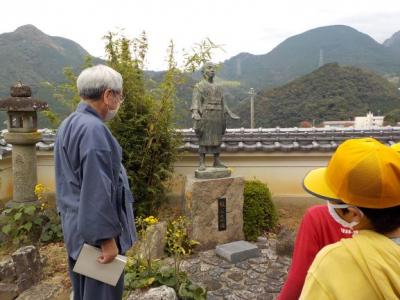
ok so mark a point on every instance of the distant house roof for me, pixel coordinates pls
(348, 123)
(261, 139)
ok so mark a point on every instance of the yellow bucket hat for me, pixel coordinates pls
(396, 147)
(362, 172)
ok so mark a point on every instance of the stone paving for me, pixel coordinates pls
(256, 278)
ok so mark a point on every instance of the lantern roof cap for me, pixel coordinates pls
(21, 100)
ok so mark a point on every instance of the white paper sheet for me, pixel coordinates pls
(88, 265)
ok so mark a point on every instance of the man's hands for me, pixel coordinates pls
(109, 251)
(234, 116)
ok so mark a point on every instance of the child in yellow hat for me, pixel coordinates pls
(362, 185)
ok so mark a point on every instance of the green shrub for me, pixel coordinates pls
(177, 238)
(21, 224)
(140, 275)
(30, 224)
(259, 212)
(52, 230)
(25, 224)
(142, 271)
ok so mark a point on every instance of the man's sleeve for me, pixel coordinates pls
(97, 217)
(195, 99)
(305, 249)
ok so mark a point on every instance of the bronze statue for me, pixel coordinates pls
(209, 112)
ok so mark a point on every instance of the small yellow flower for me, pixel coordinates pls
(151, 220)
(129, 263)
(40, 189)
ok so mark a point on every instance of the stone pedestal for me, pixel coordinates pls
(215, 210)
(24, 166)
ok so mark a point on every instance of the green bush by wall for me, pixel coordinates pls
(259, 212)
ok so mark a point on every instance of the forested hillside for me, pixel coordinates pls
(332, 92)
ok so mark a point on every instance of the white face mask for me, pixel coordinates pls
(111, 114)
(337, 218)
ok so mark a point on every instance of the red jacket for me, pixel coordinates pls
(317, 229)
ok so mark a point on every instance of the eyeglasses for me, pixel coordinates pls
(121, 97)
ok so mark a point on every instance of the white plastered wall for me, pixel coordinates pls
(283, 172)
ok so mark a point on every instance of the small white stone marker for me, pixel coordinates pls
(237, 251)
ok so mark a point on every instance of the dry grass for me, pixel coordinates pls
(290, 218)
(292, 210)
(56, 266)
(169, 210)
(5, 251)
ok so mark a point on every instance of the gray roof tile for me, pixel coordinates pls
(259, 139)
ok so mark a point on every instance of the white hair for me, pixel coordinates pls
(93, 81)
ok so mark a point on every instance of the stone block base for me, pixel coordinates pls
(237, 251)
(215, 210)
(212, 173)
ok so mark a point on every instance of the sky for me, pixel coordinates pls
(254, 26)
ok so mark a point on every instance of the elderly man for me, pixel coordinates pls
(362, 179)
(93, 195)
(208, 112)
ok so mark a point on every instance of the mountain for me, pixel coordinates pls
(332, 92)
(29, 55)
(303, 53)
(33, 57)
(393, 42)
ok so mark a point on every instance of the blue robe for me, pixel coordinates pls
(93, 195)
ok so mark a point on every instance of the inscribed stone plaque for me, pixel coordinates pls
(222, 214)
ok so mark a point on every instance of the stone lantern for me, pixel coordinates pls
(23, 135)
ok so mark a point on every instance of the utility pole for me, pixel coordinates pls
(252, 93)
(321, 58)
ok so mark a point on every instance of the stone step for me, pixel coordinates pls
(237, 251)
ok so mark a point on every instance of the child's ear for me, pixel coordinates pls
(355, 213)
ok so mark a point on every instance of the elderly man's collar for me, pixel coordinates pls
(84, 107)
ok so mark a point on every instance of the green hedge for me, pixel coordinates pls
(259, 212)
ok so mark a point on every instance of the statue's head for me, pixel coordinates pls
(208, 70)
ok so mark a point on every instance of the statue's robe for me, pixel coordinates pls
(208, 101)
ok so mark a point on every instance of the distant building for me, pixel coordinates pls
(368, 122)
(338, 124)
